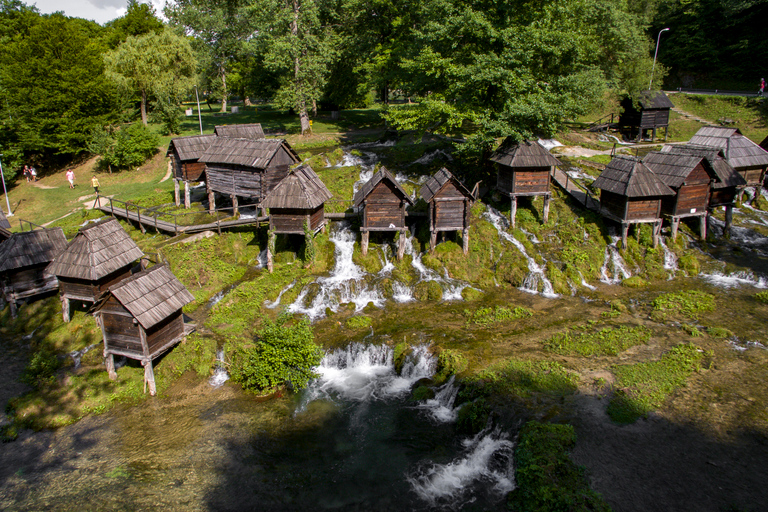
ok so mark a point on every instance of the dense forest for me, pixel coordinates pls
(476, 68)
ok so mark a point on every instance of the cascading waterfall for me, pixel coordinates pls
(584, 282)
(452, 288)
(345, 284)
(220, 374)
(619, 269)
(670, 259)
(441, 407)
(536, 277)
(272, 304)
(735, 279)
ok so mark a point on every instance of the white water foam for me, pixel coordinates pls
(429, 157)
(77, 355)
(735, 279)
(619, 268)
(536, 274)
(549, 143)
(670, 259)
(441, 407)
(488, 458)
(452, 288)
(220, 374)
(272, 304)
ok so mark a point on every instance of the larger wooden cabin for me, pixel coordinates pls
(725, 189)
(246, 168)
(650, 111)
(23, 261)
(382, 203)
(100, 255)
(691, 177)
(140, 318)
(449, 203)
(184, 153)
(240, 131)
(749, 159)
(298, 201)
(524, 169)
(630, 193)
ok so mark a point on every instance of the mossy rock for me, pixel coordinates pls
(449, 362)
(428, 291)
(689, 264)
(470, 294)
(473, 417)
(619, 306)
(401, 352)
(421, 393)
(634, 282)
(359, 322)
(335, 157)
(432, 262)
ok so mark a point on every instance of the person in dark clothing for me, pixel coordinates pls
(761, 90)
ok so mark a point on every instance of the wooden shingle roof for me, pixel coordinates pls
(97, 250)
(728, 177)
(5, 234)
(240, 131)
(152, 295)
(245, 152)
(302, 188)
(674, 168)
(433, 185)
(190, 148)
(738, 149)
(629, 177)
(523, 154)
(367, 188)
(29, 248)
(654, 100)
(4, 221)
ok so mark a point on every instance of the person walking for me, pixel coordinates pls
(71, 178)
(95, 184)
(761, 90)
(33, 173)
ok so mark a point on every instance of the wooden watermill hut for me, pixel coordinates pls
(449, 204)
(630, 193)
(240, 131)
(140, 318)
(524, 169)
(100, 255)
(184, 153)
(649, 112)
(297, 201)
(749, 159)
(724, 190)
(5, 234)
(246, 168)
(382, 202)
(23, 261)
(691, 177)
(4, 222)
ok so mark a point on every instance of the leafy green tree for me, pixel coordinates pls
(139, 19)
(298, 42)
(161, 64)
(219, 30)
(133, 145)
(284, 354)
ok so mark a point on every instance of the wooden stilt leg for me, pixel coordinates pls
(109, 360)
(149, 377)
(14, 308)
(186, 195)
(703, 226)
(656, 231)
(364, 242)
(176, 192)
(270, 245)
(546, 208)
(401, 246)
(65, 309)
(675, 225)
(513, 212)
(235, 209)
(728, 221)
(432, 241)
(211, 201)
(624, 234)
(465, 236)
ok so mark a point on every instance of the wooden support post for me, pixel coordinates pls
(270, 245)
(465, 237)
(656, 233)
(149, 377)
(138, 216)
(109, 361)
(728, 221)
(176, 192)
(703, 226)
(432, 240)
(401, 246)
(624, 234)
(65, 308)
(364, 242)
(546, 207)
(186, 195)
(211, 200)
(675, 225)
(14, 307)
(235, 209)
(513, 212)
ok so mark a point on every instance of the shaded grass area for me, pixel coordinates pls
(750, 115)
(608, 341)
(523, 378)
(547, 479)
(643, 387)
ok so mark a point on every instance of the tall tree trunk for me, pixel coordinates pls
(300, 99)
(144, 107)
(223, 74)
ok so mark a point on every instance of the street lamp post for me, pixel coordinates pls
(658, 38)
(199, 115)
(7, 202)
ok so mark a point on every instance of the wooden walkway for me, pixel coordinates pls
(574, 190)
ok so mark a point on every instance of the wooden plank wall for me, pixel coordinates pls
(383, 207)
(31, 281)
(449, 215)
(654, 118)
(160, 334)
(193, 171)
(272, 176)
(531, 182)
(234, 181)
(692, 197)
(317, 217)
(287, 220)
(614, 203)
(78, 288)
(643, 209)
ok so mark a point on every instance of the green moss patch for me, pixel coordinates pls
(486, 316)
(687, 303)
(608, 341)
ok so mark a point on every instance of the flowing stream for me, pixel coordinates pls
(618, 270)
